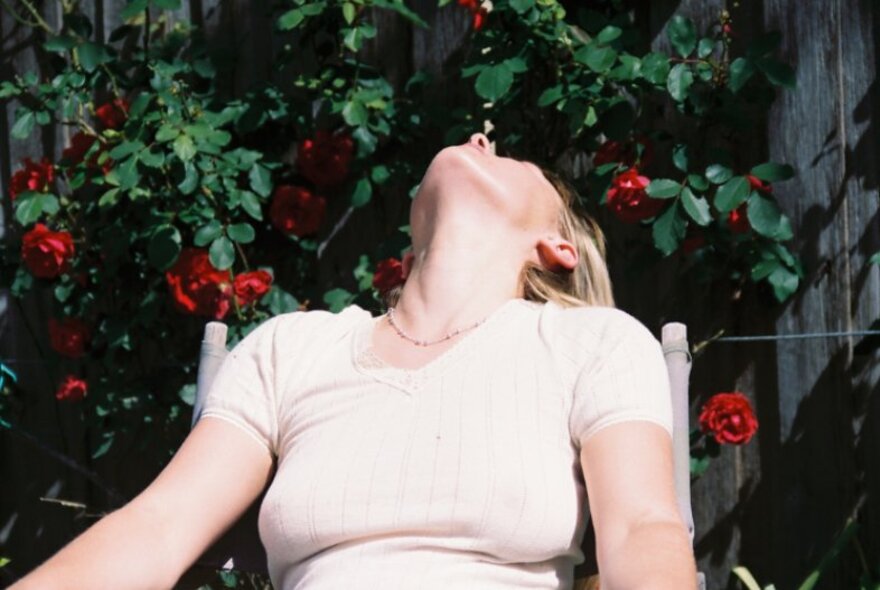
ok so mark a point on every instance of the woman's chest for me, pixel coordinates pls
(478, 458)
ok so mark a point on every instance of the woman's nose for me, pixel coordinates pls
(481, 141)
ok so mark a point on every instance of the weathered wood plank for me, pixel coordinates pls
(815, 476)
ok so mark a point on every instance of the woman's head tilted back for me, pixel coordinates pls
(588, 282)
(510, 223)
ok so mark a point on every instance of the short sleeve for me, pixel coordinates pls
(626, 379)
(243, 389)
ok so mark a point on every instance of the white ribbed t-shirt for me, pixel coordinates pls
(463, 473)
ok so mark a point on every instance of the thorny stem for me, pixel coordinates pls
(41, 22)
(18, 18)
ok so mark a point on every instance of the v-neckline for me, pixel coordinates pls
(368, 362)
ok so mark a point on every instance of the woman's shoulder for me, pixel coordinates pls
(593, 327)
(303, 326)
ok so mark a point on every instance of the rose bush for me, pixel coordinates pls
(173, 203)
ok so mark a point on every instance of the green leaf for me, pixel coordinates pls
(164, 246)
(494, 82)
(243, 233)
(696, 207)
(166, 133)
(222, 253)
(279, 301)
(732, 194)
(260, 180)
(682, 35)
(355, 113)
(522, 6)
(517, 65)
(59, 44)
(697, 182)
(784, 283)
(187, 394)
(764, 44)
(338, 299)
(23, 125)
(764, 215)
(190, 180)
(655, 68)
(109, 198)
(104, 446)
(152, 159)
(208, 233)
(379, 174)
(167, 4)
(126, 148)
(184, 148)
(663, 188)
(366, 141)
(680, 80)
(348, 12)
(91, 55)
(741, 69)
(772, 172)
(680, 157)
(363, 192)
(251, 204)
(133, 9)
(291, 19)
(550, 96)
(28, 208)
(609, 34)
(597, 58)
(668, 230)
(777, 73)
(875, 258)
(718, 174)
(705, 47)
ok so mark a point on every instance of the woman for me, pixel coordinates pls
(446, 444)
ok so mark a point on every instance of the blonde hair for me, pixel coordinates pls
(588, 284)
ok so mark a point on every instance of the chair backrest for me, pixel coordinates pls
(240, 547)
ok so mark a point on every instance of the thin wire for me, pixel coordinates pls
(801, 336)
(756, 338)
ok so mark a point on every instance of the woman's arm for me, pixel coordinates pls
(149, 543)
(641, 541)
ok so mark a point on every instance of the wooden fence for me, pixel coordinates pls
(774, 505)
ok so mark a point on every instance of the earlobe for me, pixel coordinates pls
(557, 254)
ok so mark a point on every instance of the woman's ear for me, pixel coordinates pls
(557, 253)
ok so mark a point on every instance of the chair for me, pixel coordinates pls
(240, 546)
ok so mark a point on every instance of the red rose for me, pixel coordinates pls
(197, 287)
(72, 389)
(389, 274)
(479, 18)
(295, 210)
(113, 115)
(738, 220)
(250, 286)
(625, 153)
(35, 176)
(80, 143)
(759, 185)
(69, 336)
(729, 418)
(46, 253)
(629, 201)
(324, 159)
